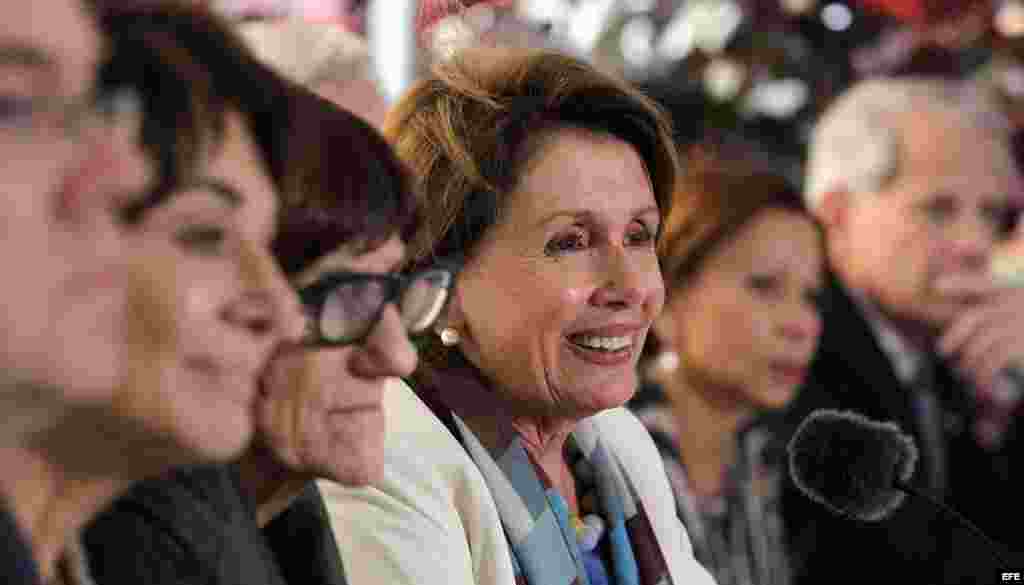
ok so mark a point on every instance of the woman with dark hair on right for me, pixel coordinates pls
(743, 265)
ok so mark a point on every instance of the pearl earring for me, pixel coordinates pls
(449, 337)
(667, 361)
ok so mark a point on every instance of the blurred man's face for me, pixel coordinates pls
(65, 172)
(941, 215)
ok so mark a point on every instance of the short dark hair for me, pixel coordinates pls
(191, 68)
(346, 186)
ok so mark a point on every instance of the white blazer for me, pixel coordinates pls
(432, 519)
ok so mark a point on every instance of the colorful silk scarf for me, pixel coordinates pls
(543, 541)
(541, 537)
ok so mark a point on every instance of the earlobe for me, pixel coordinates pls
(452, 316)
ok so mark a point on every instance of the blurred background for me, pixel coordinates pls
(756, 71)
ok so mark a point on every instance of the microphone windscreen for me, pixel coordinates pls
(851, 464)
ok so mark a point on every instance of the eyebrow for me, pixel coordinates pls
(16, 54)
(26, 56)
(580, 213)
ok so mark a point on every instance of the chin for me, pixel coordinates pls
(605, 396)
(776, 398)
(85, 389)
(357, 447)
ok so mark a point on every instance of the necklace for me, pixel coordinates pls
(589, 530)
(588, 523)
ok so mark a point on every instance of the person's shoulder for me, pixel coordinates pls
(630, 442)
(425, 466)
(189, 495)
(302, 542)
(17, 565)
(187, 526)
(193, 492)
(431, 517)
(416, 437)
(145, 522)
(624, 423)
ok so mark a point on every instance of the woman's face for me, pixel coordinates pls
(208, 305)
(65, 173)
(555, 305)
(748, 324)
(320, 410)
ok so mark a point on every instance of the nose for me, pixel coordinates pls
(630, 279)
(387, 352)
(269, 305)
(800, 324)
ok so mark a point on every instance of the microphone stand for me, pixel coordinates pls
(993, 546)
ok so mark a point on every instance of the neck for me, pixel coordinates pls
(51, 504)
(543, 439)
(57, 479)
(497, 420)
(267, 483)
(918, 335)
(544, 442)
(914, 334)
(707, 448)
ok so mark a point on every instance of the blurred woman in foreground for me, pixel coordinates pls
(339, 237)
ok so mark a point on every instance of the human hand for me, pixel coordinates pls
(985, 342)
(987, 336)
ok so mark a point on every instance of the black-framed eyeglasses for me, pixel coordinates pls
(344, 307)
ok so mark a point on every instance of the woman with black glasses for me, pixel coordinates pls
(341, 241)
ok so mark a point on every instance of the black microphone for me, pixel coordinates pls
(860, 468)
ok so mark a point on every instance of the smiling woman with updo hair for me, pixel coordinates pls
(547, 181)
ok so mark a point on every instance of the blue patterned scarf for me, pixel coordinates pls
(535, 518)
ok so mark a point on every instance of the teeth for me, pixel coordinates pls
(605, 343)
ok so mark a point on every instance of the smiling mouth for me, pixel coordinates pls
(606, 344)
(791, 372)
